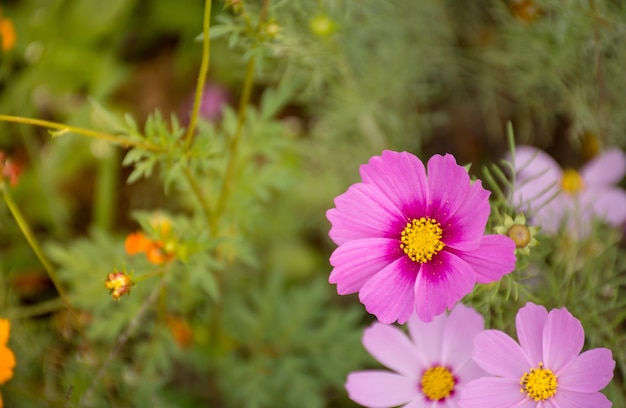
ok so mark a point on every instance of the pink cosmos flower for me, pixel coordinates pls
(431, 366)
(557, 197)
(409, 242)
(545, 370)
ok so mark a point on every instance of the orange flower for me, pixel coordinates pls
(180, 331)
(525, 10)
(7, 34)
(7, 358)
(137, 242)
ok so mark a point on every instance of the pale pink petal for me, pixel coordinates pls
(357, 261)
(364, 212)
(607, 204)
(563, 339)
(491, 392)
(569, 399)
(422, 403)
(589, 372)
(392, 348)
(381, 388)
(442, 282)
(537, 178)
(448, 185)
(464, 228)
(402, 178)
(389, 294)
(427, 337)
(467, 373)
(462, 325)
(606, 169)
(493, 259)
(529, 323)
(500, 355)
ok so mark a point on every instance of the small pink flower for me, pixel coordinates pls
(431, 367)
(214, 98)
(555, 197)
(545, 370)
(412, 243)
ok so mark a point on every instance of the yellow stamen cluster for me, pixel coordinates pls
(540, 383)
(572, 182)
(421, 239)
(437, 383)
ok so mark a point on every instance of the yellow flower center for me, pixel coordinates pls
(571, 182)
(540, 383)
(421, 239)
(520, 234)
(437, 383)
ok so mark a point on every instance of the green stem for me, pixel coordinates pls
(204, 68)
(63, 129)
(234, 143)
(244, 101)
(206, 208)
(34, 244)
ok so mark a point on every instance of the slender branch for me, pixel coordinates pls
(64, 129)
(34, 244)
(204, 69)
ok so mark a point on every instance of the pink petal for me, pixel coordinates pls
(393, 349)
(537, 178)
(443, 281)
(424, 403)
(490, 392)
(364, 212)
(464, 229)
(608, 204)
(401, 177)
(427, 337)
(467, 373)
(529, 323)
(357, 261)
(606, 169)
(448, 185)
(462, 325)
(381, 388)
(500, 355)
(569, 399)
(563, 339)
(493, 259)
(389, 294)
(590, 372)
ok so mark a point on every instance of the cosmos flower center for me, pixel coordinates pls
(540, 383)
(437, 383)
(572, 182)
(421, 239)
(520, 234)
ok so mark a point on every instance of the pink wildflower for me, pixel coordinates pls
(545, 369)
(430, 368)
(409, 242)
(556, 197)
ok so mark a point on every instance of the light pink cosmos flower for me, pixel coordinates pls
(556, 197)
(412, 243)
(431, 367)
(545, 370)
